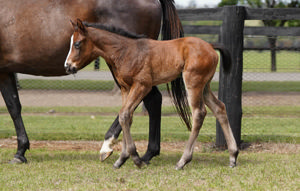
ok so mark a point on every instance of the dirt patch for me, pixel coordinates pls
(278, 148)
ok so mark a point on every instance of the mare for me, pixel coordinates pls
(27, 46)
(139, 64)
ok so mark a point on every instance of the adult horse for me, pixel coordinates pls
(27, 46)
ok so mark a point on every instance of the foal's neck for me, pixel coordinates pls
(112, 47)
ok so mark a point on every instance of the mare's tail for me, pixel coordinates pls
(225, 54)
(171, 29)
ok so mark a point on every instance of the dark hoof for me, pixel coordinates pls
(148, 156)
(104, 156)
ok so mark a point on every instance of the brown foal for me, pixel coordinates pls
(139, 63)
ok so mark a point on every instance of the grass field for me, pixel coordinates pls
(83, 127)
(73, 170)
(81, 169)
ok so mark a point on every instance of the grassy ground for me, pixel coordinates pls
(81, 170)
(73, 170)
(83, 127)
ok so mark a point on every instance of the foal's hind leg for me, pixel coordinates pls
(198, 114)
(219, 110)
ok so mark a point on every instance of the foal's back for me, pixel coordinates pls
(170, 58)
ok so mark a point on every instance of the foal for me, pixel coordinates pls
(140, 63)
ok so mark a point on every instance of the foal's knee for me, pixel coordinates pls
(124, 118)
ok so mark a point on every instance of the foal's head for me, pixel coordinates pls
(80, 49)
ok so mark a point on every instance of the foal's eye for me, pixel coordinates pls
(77, 44)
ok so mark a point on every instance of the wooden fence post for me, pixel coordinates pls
(230, 84)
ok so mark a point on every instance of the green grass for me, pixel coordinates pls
(287, 61)
(82, 170)
(73, 170)
(91, 85)
(248, 111)
(264, 129)
(259, 123)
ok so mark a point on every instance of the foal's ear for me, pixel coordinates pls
(73, 25)
(81, 26)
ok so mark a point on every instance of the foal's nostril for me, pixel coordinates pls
(73, 70)
(70, 69)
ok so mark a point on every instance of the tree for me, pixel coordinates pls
(271, 23)
(227, 2)
(192, 4)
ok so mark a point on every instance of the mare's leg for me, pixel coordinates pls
(195, 94)
(219, 110)
(10, 95)
(153, 103)
(130, 102)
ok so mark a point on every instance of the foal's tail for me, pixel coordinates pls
(225, 54)
(171, 29)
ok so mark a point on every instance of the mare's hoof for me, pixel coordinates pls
(20, 160)
(104, 156)
(148, 156)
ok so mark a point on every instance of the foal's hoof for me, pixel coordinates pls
(104, 156)
(177, 167)
(140, 164)
(232, 164)
(180, 165)
(19, 160)
(116, 166)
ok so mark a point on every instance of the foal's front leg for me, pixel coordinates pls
(130, 102)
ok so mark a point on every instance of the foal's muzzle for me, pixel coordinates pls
(70, 69)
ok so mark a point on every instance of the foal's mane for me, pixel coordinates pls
(115, 30)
